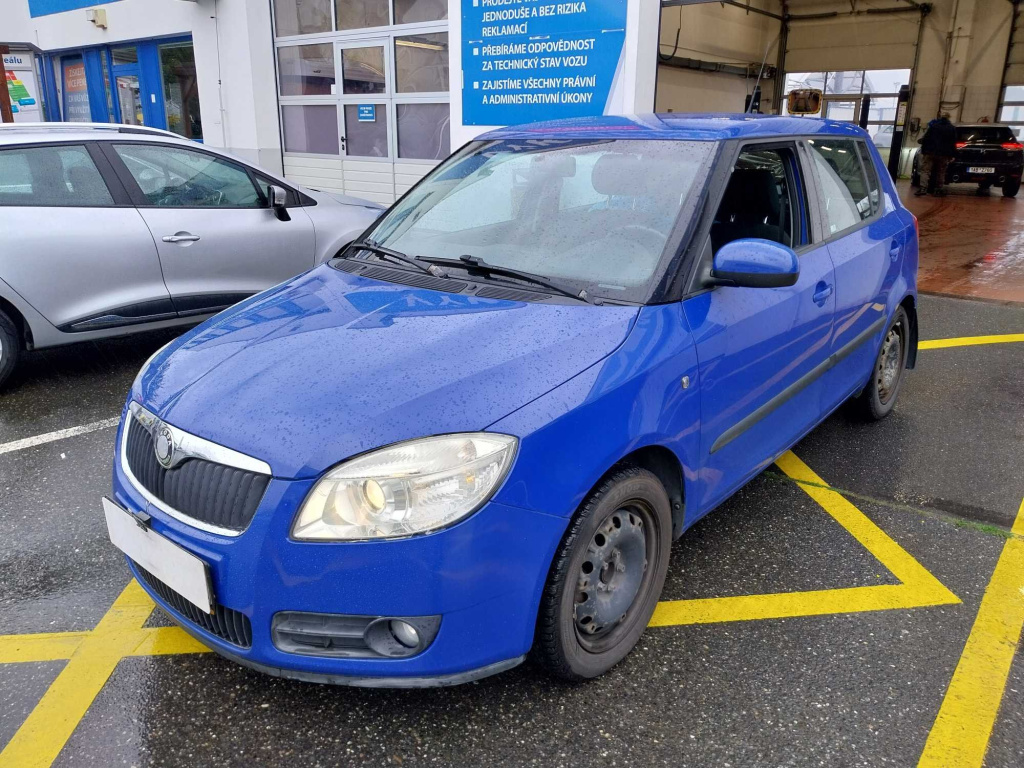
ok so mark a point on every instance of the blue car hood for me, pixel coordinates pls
(329, 365)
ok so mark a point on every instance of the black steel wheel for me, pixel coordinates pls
(879, 396)
(606, 577)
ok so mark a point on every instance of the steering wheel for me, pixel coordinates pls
(654, 239)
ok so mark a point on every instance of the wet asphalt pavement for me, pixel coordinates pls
(943, 476)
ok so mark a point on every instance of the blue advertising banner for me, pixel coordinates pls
(46, 7)
(528, 60)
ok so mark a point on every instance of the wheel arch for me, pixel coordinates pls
(909, 304)
(24, 329)
(665, 465)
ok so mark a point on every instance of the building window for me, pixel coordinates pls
(421, 63)
(423, 131)
(390, 99)
(310, 128)
(306, 70)
(302, 17)
(360, 14)
(415, 11)
(181, 89)
(844, 93)
(1011, 109)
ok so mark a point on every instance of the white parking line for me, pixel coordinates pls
(60, 434)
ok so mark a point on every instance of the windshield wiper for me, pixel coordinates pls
(476, 263)
(431, 269)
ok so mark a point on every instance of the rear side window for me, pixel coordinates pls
(51, 176)
(182, 178)
(845, 197)
(875, 192)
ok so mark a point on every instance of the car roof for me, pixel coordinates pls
(679, 127)
(30, 133)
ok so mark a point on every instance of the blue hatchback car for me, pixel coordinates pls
(476, 432)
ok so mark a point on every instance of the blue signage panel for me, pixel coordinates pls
(46, 7)
(366, 113)
(528, 60)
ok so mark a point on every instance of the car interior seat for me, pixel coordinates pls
(750, 208)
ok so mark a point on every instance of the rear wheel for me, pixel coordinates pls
(606, 577)
(1011, 188)
(10, 347)
(879, 396)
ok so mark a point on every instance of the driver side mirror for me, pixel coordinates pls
(279, 202)
(754, 263)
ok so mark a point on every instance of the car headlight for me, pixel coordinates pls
(406, 488)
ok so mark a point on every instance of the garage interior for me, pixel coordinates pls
(859, 604)
(965, 58)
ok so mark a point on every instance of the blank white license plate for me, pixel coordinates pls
(176, 567)
(981, 169)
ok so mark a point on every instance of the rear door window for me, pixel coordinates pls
(874, 190)
(51, 176)
(845, 196)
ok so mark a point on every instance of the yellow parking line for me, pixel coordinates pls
(959, 738)
(166, 641)
(970, 341)
(42, 736)
(48, 646)
(919, 587)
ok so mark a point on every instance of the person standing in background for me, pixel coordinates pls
(938, 146)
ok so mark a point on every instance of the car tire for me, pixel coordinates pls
(606, 577)
(10, 347)
(1011, 188)
(879, 396)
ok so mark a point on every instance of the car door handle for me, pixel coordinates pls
(894, 250)
(181, 237)
(823, 292)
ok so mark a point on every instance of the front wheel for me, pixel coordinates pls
(879, 396)
(606, 577)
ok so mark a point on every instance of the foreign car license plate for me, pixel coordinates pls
(981, 169)
(176, 567)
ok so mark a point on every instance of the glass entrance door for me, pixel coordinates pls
(365, 108)
(128, 99)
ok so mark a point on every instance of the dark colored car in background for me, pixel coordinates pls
(987, 155)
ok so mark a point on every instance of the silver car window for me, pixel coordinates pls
(51, 176)
(182, 178)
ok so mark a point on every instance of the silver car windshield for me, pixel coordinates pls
(594, 214)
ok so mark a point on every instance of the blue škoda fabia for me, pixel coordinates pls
(475, 432)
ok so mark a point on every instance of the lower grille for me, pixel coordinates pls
(226, 623)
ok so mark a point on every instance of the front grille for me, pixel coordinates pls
(226, 623)
(211, 493)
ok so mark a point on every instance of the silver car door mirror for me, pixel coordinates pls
(279, 202)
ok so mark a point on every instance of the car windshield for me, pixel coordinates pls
(995, 134)
(593, 214)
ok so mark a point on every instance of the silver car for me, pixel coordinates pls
(107, 230)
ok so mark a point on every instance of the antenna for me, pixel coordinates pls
(761, 72)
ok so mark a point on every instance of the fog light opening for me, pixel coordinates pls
(405, 633)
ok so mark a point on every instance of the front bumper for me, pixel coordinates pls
(483, 576)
